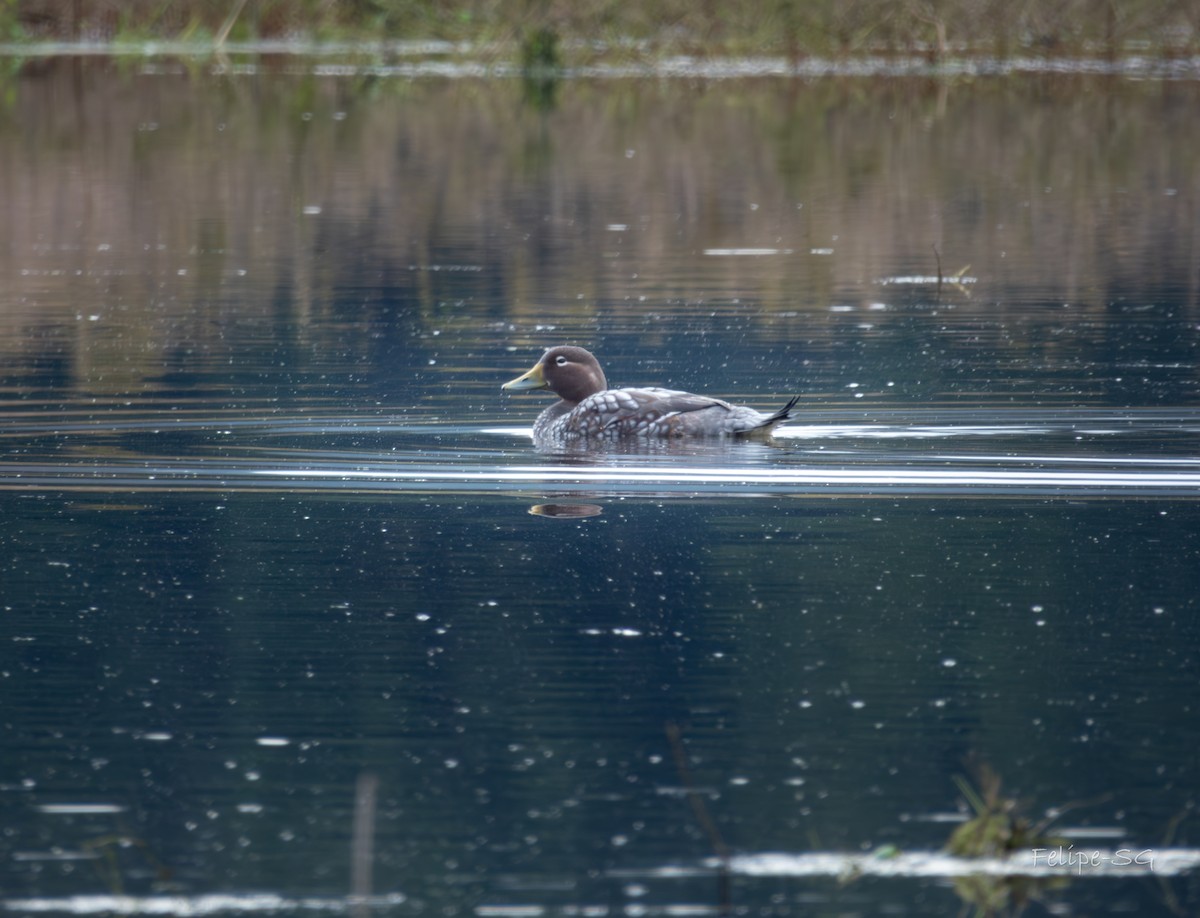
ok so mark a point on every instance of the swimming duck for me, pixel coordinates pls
(588, 408)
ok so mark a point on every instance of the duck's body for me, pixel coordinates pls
(588, 408)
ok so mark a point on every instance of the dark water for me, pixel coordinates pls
(272, 541)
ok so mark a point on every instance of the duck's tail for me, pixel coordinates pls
(771, 421)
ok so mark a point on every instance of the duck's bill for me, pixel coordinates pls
(531, 380)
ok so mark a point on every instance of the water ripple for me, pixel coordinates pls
(1046, 455)
(297, 475)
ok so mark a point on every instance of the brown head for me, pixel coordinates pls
(571, 373)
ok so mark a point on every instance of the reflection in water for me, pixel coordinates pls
(264, 515)
(499, 234)
(566, 511)
(1087, 861)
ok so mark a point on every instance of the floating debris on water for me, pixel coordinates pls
(748, 251)
(917, 280)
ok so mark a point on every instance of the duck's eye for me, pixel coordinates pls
(561, 360)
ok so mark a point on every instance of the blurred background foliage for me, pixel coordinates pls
(794, 27)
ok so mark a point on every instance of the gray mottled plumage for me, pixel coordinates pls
(588, 408)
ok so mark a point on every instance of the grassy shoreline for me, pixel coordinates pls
(935, 29)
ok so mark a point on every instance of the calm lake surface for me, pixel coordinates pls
(296, 618)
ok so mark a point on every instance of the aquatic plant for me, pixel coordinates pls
(998, 827)
(539, 52)
(998, 830)
(541, 67)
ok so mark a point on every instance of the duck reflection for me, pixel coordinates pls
(566, 511)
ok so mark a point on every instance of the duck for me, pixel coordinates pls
(587, 407)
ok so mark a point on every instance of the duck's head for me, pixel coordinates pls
(571, 373)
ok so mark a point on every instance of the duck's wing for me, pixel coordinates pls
(672, 401)
(651, 411)
(624, 412)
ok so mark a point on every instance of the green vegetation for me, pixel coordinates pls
(998, 830)
(794, 27)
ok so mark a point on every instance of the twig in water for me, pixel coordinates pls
(362, 844)
(227, 25)
(679, 754)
